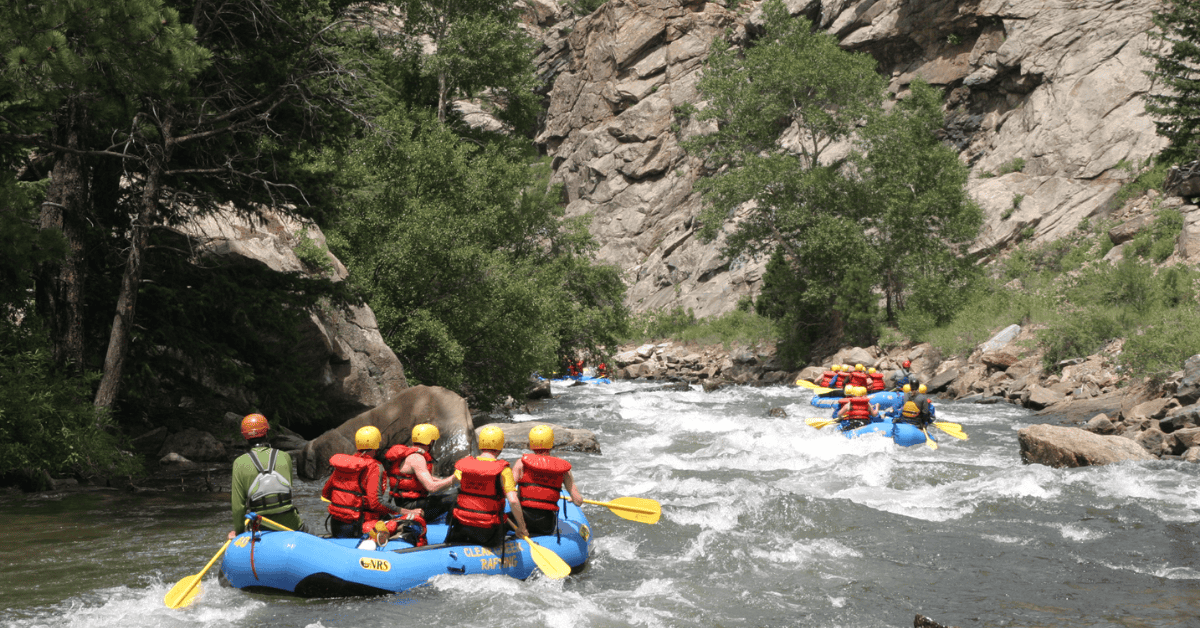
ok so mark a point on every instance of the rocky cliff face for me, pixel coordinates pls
(1055, 84)
(352, 366)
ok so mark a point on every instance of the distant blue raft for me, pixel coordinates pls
(304, 565)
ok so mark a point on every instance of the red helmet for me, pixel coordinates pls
(254, 426)
(907, 363)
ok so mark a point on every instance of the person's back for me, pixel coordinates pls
(356, 487)
(858, 378)
(540, 479)
(485, 482)
(875, 379)
(410, 477)
(261, 480)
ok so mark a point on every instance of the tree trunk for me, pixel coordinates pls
(122, 326)
(442, 104)
(60, 284)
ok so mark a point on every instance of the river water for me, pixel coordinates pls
(766, 522)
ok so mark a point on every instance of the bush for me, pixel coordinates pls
(1163, 342)
(47, 421)
(1016, 165)
(736, 327)
(1158, 242)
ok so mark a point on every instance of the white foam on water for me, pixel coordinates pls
(121, 607)
(1007, 540)
(1163, 571)
(804, 552)
(1073, 532)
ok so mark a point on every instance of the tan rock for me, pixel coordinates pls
(395, 420)
(1057, 446)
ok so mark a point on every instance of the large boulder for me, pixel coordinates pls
(516, 436)
(194, 445)
(1057, 446)
(1188, 391)
(350, 364)
(395, 420)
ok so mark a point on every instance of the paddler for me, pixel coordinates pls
(875, 379)
(828, 376)
(358, 486)
(262, 480)
(540, 479)
(857, 409)
(485, 482)
(410, 476)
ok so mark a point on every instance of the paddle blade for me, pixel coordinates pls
(820, 423)
(640, 509)
(550, 563)
(806, 384)
(183, 593)
(929, 442)
(949, 429)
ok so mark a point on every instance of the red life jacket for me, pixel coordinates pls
(541, 481)
(876, 381)
(348, 499)
(860, 408)
(826, 379)
(858, 378)
(405, 485)
(480, 497)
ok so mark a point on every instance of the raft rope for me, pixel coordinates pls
(253, 525)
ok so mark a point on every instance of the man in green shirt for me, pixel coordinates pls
(262, 480)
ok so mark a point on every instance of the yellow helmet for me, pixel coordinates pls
(835, 368)
(871, 370)
(541, 437)
(862, 391)
(848, 390)
(910, 409)
(922, 388)
(367, 438)
(908, 388)
(491, 437)
(859, 367)
(425, 434)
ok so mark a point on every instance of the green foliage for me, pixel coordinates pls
(1016, 165)
(741, 326)
(1176, 103)
(584, 8)
(1152, 179)
(954, 39)
(889, 218)
(47, 421)
(1157, 243)
(459, 251)
(312, 253)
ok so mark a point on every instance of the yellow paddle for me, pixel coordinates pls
(640, 509)
(953, 429)
(820, 423)
(813, 387)
(186, 590)
(929, 442)
(550, 563)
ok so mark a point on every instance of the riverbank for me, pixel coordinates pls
(1091, 393)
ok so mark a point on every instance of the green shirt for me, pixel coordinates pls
(244, 474)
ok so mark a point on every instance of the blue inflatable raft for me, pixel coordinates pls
(304, 565)
(890, 404)
(903, 434)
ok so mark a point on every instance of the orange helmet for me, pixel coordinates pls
(907, 363)
(254, 426)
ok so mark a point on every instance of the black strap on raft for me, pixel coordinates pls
(253, 523)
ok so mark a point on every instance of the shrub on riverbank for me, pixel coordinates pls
(1082, 303)
(741, 326)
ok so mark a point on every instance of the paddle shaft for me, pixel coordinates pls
(184, 596)
(645, 511)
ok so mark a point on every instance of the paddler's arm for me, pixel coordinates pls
(514, 502)
(421, 470)
(572, 488)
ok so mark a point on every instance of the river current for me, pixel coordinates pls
(766, 522)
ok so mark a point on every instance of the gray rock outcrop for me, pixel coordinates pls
(1057, 446)
(395, 420)
(1044, 102)
(351, 364)
(516, 436)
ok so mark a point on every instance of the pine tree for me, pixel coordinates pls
(1177, 66)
